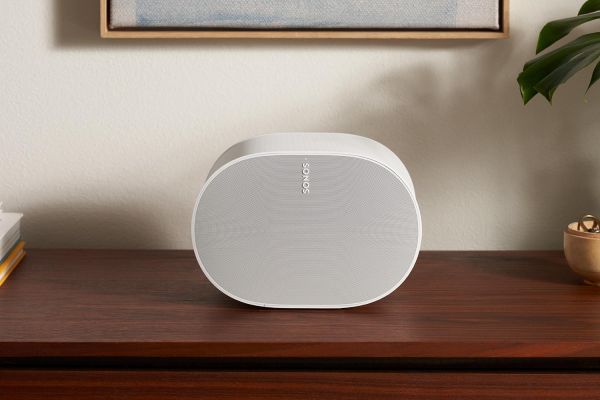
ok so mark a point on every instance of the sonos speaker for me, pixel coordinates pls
(307, 220)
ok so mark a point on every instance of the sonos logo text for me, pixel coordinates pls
(306, 178)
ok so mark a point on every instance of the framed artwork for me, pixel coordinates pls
(327, 19)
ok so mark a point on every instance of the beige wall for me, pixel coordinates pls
(106, 144)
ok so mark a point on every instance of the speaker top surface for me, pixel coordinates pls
(307, 221)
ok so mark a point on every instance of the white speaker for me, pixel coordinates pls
(307, 220)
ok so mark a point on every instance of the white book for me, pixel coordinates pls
(10, 232)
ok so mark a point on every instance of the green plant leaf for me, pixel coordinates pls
(560, 75)
(541, 67)
(556, 30)
(589, 7)
(595, 77)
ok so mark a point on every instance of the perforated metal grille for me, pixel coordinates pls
(350, 240)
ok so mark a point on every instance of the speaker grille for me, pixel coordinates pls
(350, 240)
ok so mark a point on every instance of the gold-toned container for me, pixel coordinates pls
(582, 249)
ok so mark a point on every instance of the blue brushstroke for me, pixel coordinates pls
(259, 14)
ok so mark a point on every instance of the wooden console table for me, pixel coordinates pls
(148, 325)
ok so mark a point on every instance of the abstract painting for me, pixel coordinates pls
(306, 15)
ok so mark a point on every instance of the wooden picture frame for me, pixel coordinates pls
(130, 33)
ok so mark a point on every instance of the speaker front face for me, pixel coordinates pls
(306, 231)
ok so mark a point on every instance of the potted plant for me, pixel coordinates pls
(548, 71)
(544, 75)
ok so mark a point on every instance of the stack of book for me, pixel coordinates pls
(11, 246)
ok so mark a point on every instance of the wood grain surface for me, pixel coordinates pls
(96, 303)
(164, 385)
